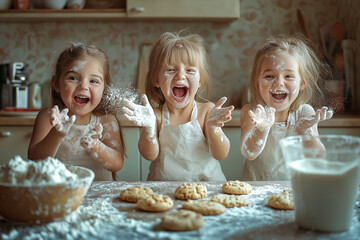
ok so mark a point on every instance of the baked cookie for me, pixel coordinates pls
(155, 203)
(133, 194)
(236, 187)
(191, 191)
(204, 207)
(282, 201)
(183, 220)
(230, 201)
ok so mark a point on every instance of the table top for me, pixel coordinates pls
(103, 216)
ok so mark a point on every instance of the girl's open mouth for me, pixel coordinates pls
(179, 93)
(279, 95)
(81, 100)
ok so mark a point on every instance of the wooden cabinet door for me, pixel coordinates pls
(232, 166)
(182, 9)
(14, 140)
(131, 168)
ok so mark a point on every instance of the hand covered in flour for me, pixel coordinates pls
(217, 115)
(304, 123)
(88, 140)
(60, 120)
(263, 118)
(141, 115)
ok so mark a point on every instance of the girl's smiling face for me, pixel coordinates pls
(279, 81)
(179, 84)
(81, 86)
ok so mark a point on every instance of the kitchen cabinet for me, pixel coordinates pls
(204, 10)
(184, 9)
(40, 15)
(232, 166)
(14, 140)
(131, 170)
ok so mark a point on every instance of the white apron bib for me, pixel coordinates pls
(184, 154)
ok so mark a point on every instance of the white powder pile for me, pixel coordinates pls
(42, 172)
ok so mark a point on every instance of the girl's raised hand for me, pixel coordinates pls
(307, 122)
(218, 115)
(262, 118)
(88, 140)
(324, 114)
(61, 120)
(141, 115)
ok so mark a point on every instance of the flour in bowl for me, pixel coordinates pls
(41, 172)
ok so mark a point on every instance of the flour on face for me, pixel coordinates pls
(79, 66)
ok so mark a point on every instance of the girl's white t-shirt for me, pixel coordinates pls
(71, 152)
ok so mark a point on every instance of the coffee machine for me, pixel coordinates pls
(14, 86)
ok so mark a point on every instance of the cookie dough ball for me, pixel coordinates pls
(282, 201)
(155, 203)
(236, 187)
(183, 220)
(230, 201)
(204, 207)
(191, 191)
(133, 194)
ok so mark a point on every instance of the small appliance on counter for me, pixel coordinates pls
(14, 86)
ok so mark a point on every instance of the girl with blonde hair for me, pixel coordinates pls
(285, 77)
(182, 134)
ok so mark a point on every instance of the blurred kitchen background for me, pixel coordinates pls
(231, 44)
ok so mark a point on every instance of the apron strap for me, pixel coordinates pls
(194, 112)
(165, 115)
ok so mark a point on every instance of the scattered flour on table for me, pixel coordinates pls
(41, 172)
(103, 216)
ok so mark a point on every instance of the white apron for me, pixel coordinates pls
(184, 154)
(270, 164)
(71, 152)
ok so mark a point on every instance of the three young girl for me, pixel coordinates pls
(181, 132)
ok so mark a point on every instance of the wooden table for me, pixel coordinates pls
(103, 216)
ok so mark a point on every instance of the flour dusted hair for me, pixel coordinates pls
(311, 69)
(78, 51)
(173, 48)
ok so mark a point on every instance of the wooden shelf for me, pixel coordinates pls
(31, 15)
(184, 10)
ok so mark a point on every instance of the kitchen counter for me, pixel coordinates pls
(346, 120)
(103, 216)
(29, 120)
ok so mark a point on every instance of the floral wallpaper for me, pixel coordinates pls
(230, 45)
